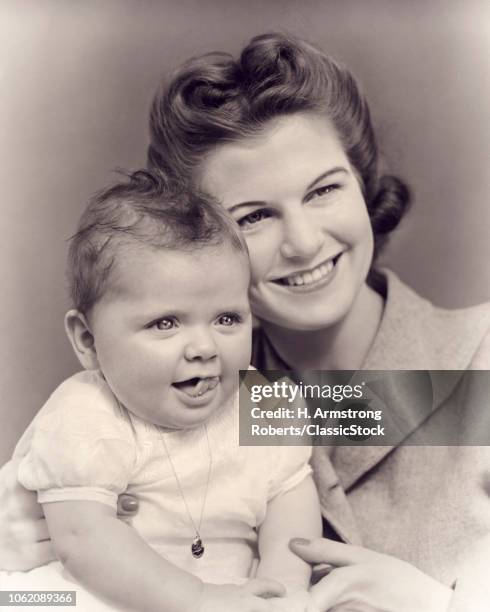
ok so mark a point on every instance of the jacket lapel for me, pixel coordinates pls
(413, 334)
(336, 509)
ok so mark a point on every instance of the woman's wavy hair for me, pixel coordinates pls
(214, 99)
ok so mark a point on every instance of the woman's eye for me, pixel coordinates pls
(229, 319)
(253, 218)
(165, 324)
(321, 191)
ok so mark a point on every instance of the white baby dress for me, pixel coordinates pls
(83, 445)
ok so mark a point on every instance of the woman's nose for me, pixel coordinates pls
(303, 237)
(200, 346)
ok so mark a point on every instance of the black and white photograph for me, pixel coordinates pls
(209, 210)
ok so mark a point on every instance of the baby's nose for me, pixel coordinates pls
(200, 346)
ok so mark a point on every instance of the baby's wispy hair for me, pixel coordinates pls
(147, 210)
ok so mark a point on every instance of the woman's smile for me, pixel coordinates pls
(311, 278)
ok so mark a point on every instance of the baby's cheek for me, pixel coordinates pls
(245, 354)
(135, 377)
(237, 354)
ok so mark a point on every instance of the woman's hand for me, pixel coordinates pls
(24, 538)
(127, 506)
(366, 580)
(253, 596)
(298, 601)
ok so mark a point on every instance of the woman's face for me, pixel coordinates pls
(301, 209)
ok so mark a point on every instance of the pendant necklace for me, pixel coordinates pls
(197, 547)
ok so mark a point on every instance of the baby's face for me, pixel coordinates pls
(172, 332)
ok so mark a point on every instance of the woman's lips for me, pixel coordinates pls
(313, 276)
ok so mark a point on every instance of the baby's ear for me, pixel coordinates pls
(82, 339)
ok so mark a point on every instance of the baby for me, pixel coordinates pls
(161, 323)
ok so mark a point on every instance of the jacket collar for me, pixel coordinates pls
(415, 335)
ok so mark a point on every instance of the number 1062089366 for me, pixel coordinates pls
(38, 598)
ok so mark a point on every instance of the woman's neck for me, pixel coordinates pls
(343, 346)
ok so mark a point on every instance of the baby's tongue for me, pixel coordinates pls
(197, 386)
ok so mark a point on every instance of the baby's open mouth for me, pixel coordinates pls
(195, 387)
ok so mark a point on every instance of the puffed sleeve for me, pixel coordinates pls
(289, 466)
(80, 446)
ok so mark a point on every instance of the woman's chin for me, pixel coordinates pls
(307, 315)
(304, 321)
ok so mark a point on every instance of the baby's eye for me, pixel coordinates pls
(253, 218)
(164, 324)
(229, 319)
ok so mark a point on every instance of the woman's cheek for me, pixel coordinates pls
(264, 247)
(364, 235)
(262, 255)
(353, 226)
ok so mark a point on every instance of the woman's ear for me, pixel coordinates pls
(82, 339)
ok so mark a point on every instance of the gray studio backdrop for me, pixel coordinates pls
(76, 81)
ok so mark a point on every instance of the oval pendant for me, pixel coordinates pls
(197, 548)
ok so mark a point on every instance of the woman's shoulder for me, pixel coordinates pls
(416, 334)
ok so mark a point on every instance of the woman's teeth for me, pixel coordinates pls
(308, 278)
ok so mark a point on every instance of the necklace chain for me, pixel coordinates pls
(197, 528)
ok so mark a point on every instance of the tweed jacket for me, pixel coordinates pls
(428, 505)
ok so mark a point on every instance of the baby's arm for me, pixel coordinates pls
(112, 560)
(293, 514)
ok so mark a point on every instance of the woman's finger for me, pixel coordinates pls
(24, 503)
(36, 531)
(16, 500)
(42, 553)
(326, 551)
(26, 545)
(332, 590)
(262, 605)
(26, 533)
(354, 606)
(263, 587)
(319, 571)
(28, 557)
(41, 532)
(127, 505)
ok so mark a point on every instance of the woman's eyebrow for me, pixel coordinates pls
(246, 204)
(326, 175)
